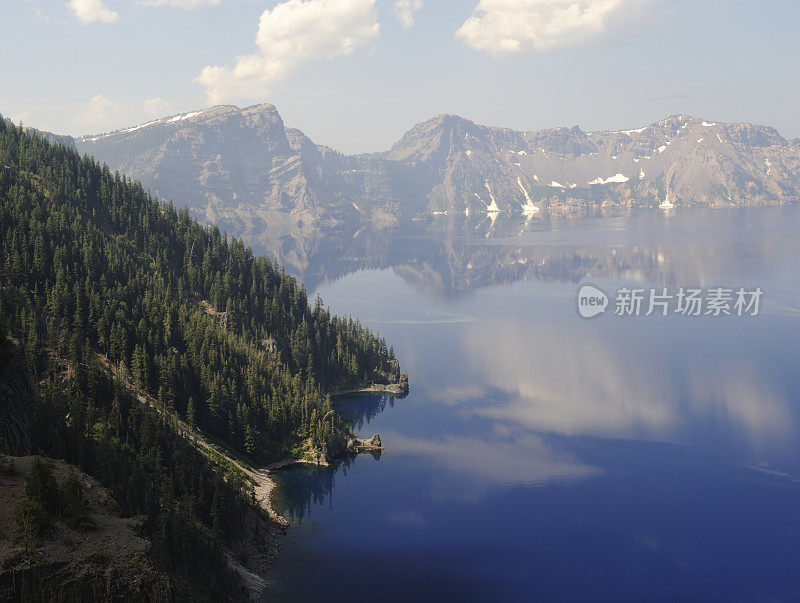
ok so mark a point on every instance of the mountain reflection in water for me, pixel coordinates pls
(448, 256)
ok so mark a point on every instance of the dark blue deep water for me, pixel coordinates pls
(543, 456)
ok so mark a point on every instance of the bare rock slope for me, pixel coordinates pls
(243, 169)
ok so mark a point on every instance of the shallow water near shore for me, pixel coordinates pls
(541, 455)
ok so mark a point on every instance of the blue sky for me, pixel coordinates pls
(355, 74)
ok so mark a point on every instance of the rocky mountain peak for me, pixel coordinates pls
(244, 169)
(563, 141)
(433, 138)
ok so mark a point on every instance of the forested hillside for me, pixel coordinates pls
(116, 298)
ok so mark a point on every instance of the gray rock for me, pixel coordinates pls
(244, 170)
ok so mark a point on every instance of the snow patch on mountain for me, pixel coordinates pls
(185, 116)
(492, 207)
(618, 178)
(529, 207)
(134, 128)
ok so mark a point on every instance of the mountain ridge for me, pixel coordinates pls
(243, 168)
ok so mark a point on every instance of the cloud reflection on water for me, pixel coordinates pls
(483, 465)
(571, 381)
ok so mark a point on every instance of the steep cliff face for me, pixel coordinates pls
(240, 168)
(110, 562)
(16, 399)
(243, 169)
(681, 159)
(57, 582)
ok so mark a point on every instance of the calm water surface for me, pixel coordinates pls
(542, 456)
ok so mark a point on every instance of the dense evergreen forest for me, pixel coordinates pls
(118, 299)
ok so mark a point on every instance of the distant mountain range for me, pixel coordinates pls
(244, 169)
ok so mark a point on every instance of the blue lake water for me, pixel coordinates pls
(544, 456)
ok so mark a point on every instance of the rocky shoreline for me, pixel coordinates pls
(346, 443)
(255, 574)
(396, 388)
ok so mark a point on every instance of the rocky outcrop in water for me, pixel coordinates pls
(356, 445)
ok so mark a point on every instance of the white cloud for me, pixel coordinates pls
(184, 4)
(92, 11)
(292, 33)
(156, 107)
(102, 114)
(511, 26)
(404, 10)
